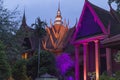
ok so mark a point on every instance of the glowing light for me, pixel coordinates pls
(97, 58)
(64, 63)
(24, 56)
(85, 60)
(70, 78)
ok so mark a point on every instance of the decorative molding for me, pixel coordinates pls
(81, 41)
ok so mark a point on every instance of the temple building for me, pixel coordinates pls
(96, 41)
(27, 41)
(58, 36)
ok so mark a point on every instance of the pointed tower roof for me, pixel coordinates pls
(24, 25)
(24, 20)
(58, 19)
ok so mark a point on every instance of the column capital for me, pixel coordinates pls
(86, 43)
(96, 41)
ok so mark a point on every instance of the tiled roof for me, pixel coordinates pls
(108, 17)
(103, 14)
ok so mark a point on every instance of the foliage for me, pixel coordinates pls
(116, 76)
(40, 32)
(19, 70)
(47, 64)
(117, 57)
(104, 76)
(117, 2)
(64, 63)
(32, 67)
(92, 75)
(39, 26)
(8, 27)
(5, 70)
(65, 66)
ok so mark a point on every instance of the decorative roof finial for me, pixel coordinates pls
(68, 22)
(24, 19)
(65, 22)
(58, 19)
(59, 6)
(50, 21)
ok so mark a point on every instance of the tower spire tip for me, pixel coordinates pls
(24, 19)
(59, 5)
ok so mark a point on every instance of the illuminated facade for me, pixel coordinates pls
(56, 34)
(92, 41)
(56, 40)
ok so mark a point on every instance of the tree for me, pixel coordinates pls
(8, 24)
(5, 70)
(105, 77)
(40, 32)
(116, 76)
(47, 64)
(117, 57)
(20, 70)
(8, 27)
(64, 64)
(117, 2)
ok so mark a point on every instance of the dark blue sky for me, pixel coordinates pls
(46, 9)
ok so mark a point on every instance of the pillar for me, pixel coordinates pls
(85, 55)
(77, 75)
(108, 61)
(97, 59)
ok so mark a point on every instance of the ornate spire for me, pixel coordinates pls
(58, 19)
(50, 21)
(65, 22)
(24, 19)
(68, 22)
(59, 6)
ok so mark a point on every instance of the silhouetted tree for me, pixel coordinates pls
(8, 27)
(20, 70)
(5, 70)
(40, 32)
(117, 2)
(47, 64)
